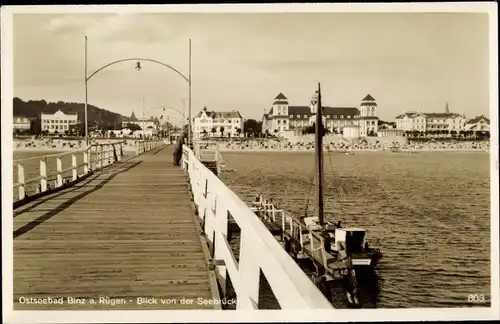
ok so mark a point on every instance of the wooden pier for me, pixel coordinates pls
(124, 233)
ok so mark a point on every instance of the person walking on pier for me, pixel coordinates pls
(178, 150)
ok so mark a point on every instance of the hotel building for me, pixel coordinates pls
(58, 122)
(479, 123)
(225, 123)
(282, 116)
(425, 122)
(21, 123)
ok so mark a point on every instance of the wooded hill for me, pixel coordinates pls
(34, 108)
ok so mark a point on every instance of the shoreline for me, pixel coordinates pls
(57, 149)
(464, 150)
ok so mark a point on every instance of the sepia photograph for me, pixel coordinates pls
(321, 162)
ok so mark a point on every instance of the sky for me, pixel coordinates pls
(242, 61)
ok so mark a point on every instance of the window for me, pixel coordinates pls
(348, 117)
(305, 116)
(341, 116)
(291, 116)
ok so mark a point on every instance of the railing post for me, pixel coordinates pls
(43, 175)
(86, 161)
(249, 272)
(100, 156)
(20, 179)
(59, 182)
(75, 167)
(221, 215)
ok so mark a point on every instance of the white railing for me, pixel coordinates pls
(147, 145)
(35, 178)
(259, 250)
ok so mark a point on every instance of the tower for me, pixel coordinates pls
(368, 106)
(446, 109)
(280, 105)
(314, 103)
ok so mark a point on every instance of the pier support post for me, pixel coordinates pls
(43, 175)
(20, 179)
(59, 182)
(74, 174)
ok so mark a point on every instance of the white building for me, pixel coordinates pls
(431, 122)
(217, 123)
(411, 121)
(21, 123)
(58, 122)
(479, 123)
(283, 117)
(142, 122)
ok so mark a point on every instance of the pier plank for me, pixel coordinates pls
(125, 232)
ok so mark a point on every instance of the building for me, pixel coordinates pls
(21, 123)
(217, 124)
(431, 122)
(283, 117)
(390, 132)
(480, 123)
(144, 122)
(58, 122)
(411, 121)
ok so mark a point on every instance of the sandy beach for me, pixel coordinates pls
(346, 147)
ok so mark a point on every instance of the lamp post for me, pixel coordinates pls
(138, 67)
(143, 121)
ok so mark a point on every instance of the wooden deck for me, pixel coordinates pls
(127, 232)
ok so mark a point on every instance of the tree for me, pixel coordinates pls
(133, 126)
(222, 131)
(371, 133)
(252, 124)
(214, 130)
(238, 131)
(112, 134)
(205, 133)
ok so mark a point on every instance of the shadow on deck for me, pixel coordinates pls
(125, 233)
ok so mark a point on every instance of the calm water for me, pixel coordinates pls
(428, 212)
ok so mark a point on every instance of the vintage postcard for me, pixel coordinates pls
(204, 163)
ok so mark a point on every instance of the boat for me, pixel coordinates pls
(339, 240)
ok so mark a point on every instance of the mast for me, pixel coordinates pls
(319, 156)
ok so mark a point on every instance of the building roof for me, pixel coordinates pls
(364, 103)
(442, 115)
(219, 114)
(280, 102)
(59, 112)
(368, 98)
(477, 119)
(280, 97)
(302, 111)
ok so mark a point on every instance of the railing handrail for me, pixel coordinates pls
(68, 152)
(291, 286)
(103, 155)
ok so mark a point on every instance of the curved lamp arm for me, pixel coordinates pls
(140, 59)
(165, 107)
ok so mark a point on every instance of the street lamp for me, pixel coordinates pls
(138, 67)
